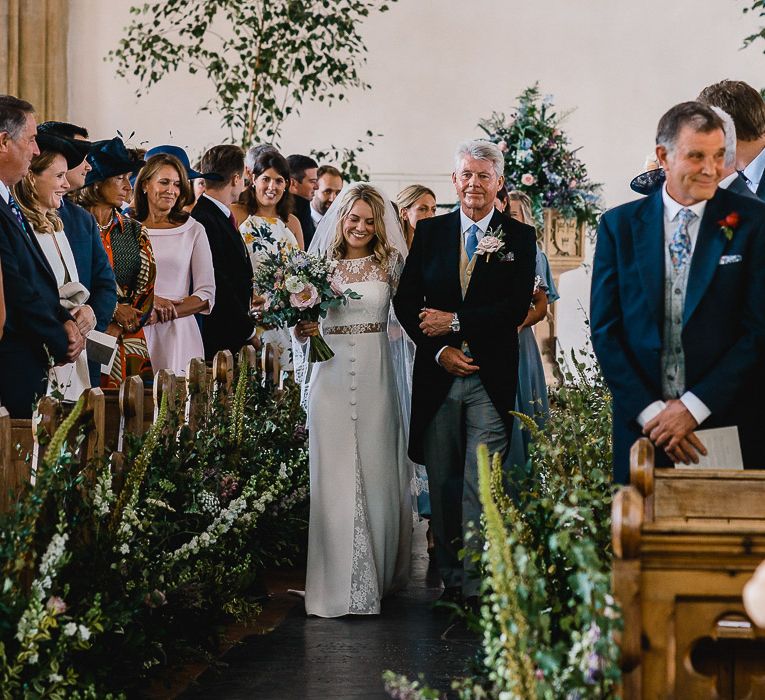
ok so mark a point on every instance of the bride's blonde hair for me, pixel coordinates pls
(366, 193)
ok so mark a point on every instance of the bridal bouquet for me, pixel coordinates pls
(296, 287)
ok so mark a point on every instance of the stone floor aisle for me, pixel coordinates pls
(343, 659)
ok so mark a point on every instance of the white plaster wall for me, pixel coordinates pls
(437, 66)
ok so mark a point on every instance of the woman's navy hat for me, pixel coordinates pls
(648, 182)
(180, 154)
(110, 158)
(74, 151)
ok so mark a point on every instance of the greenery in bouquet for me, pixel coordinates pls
(138, 567)
(297, 286)
(540, 161)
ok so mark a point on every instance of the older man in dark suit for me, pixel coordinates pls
(465, 289)
(677, 319)
(37, 326)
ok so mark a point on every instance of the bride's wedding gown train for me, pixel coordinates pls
(359, 538)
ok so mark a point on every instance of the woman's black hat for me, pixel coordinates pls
(110, 158)
(74, 151)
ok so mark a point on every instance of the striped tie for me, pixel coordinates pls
(17, 213)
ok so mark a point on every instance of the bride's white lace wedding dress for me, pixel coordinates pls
(359, 537)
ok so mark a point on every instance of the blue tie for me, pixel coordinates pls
(680, 247)
(472, 241)
(17, 212)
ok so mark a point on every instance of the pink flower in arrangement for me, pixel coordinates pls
(502, 146)
(528, 179)
(55, 605)
(305, 299)
(572, 183)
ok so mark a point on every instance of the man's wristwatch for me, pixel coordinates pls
(454, 326)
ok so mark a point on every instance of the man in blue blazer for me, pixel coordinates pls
(678, 323)
(81, 230)
(37, 326)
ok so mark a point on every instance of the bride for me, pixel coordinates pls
(359, 537)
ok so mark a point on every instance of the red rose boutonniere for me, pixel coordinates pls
(729, 224)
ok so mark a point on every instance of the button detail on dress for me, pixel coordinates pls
(353, 402)
(353, 359)
(353, 416)
(352, 372)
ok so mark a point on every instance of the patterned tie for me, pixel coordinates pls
(472, 241)
(680, 247)
(17, 212)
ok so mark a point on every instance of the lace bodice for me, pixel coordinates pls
(375, 283)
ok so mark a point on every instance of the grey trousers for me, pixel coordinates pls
(465, 419)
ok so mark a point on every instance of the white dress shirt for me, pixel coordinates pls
(727, 181)
(316, 216)
(5, 193)
(465, 223)
(218, 204)
(753, 171)
(693, 403)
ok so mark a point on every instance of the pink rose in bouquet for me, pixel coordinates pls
(335, 284)
(305, 299)
(528, 179)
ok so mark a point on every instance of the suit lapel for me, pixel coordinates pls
(29, 239)
(761, 188)
(648, 236)
(706, 255)
(450, 253)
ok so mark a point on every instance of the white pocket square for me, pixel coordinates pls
(729, 259)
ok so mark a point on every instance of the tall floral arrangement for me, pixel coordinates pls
(540, 160)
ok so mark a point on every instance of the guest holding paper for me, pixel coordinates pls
(677, 318)
(185, 275)
(128, 248)
(39, 195)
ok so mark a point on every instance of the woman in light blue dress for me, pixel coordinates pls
(531, 398)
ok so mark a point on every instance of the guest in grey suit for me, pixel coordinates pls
(746, 107)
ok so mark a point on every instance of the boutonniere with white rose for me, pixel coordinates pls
(729, 224)
(492, 242)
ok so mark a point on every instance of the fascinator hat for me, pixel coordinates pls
(648, 182)
(110, 158)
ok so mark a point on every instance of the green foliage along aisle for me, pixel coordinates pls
(548, 619)
(125, 580)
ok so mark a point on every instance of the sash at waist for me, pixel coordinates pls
(355, 328)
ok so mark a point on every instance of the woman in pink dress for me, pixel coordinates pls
(185, 278)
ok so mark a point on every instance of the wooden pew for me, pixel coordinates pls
(685, 543)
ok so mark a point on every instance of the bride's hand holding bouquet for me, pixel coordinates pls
(298, 289)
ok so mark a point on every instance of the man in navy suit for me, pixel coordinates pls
(37, 326)
(747, 109)
(678, 323)
(81, 230)
(229, 325)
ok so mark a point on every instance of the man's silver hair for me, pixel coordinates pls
(729, 128)
(254, 151)
(480, 150)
